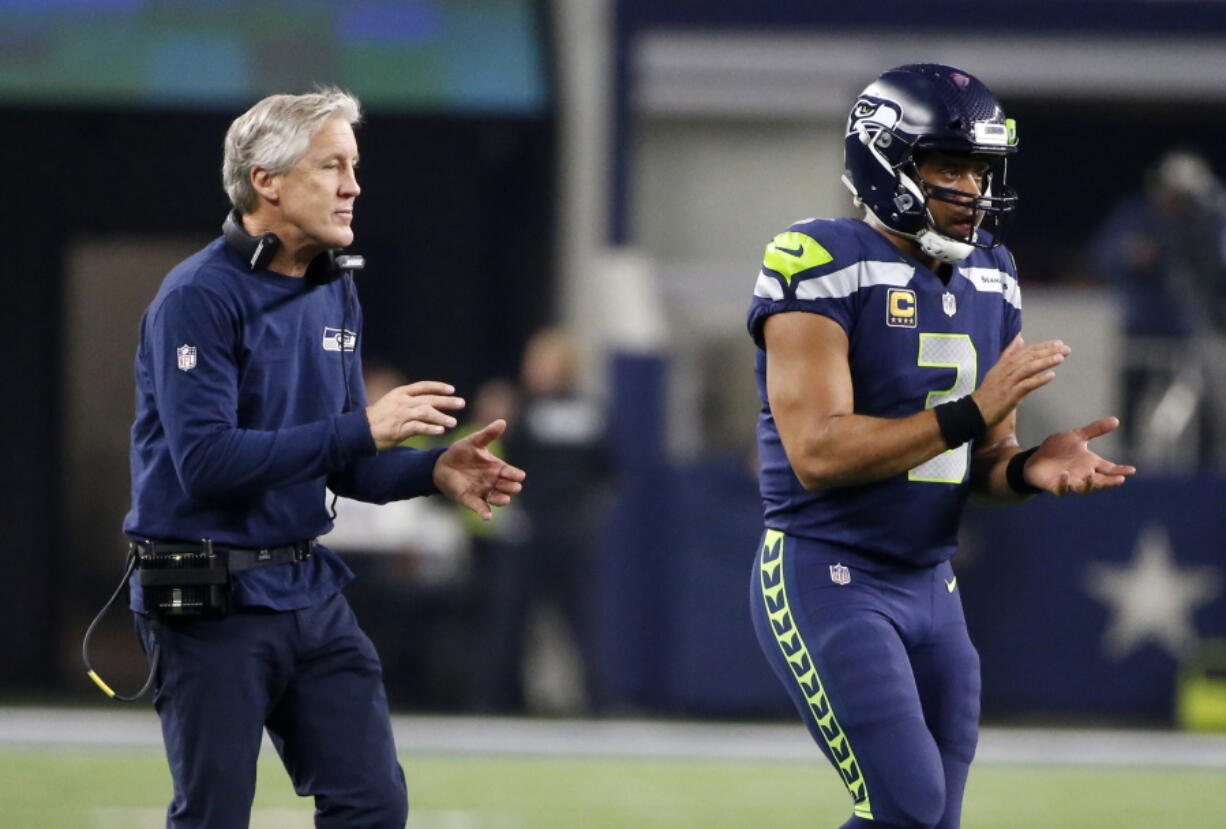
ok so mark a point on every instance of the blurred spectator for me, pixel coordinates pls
(411, 560)
(559, 439)
(1165, 252)
(495, 674)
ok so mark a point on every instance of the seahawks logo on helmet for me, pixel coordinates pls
(872, 112)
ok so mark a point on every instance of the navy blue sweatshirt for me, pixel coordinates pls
(249, 401)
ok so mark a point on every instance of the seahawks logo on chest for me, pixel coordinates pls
(339, 339)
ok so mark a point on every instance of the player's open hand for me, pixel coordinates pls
(1021, 369)
(471, 475)
(416, 409)
(1064, 463)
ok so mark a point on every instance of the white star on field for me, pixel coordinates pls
(1152, 598)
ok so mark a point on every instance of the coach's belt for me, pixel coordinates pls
(237, 559)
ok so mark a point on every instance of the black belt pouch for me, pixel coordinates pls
(185, 584)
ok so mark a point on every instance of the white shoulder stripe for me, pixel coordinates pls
(1013, 293)
(767, 287)
(846, 281)
(995, 281)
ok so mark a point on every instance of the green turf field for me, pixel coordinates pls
(126, 789)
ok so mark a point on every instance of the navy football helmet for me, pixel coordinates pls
(924, 107)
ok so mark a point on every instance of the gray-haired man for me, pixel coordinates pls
(249, 402)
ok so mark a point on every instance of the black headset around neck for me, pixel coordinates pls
(259, 251)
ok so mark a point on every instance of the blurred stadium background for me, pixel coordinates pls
(615, 167)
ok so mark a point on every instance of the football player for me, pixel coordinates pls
(890, 367)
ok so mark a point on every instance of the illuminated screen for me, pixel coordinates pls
(468, 55)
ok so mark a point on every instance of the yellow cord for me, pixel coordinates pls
(106, 689)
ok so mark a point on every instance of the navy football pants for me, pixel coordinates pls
(312, 678)
(882, 671)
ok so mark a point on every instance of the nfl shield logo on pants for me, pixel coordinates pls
(839, 574)
(187, 357)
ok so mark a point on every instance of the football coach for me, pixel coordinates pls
(249, 403)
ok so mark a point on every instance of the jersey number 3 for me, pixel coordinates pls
(954, 351)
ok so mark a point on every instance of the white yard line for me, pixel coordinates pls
(78, 728)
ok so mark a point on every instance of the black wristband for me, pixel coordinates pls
(960, 421)
(1015, 473)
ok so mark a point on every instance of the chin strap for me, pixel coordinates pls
(943, 248)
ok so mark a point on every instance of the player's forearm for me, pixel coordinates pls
(989, 472)
(848, 450)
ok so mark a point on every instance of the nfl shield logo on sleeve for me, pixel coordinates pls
(839, 574)
(187, 357)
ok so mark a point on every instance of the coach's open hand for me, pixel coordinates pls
(1064, 462)
(469, 474)
(415, 409)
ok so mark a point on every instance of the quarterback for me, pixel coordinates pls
(890, 366)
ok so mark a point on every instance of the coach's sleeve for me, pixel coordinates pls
(393, 475)
(193, 339)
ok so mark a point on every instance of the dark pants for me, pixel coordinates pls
(547, 568)
(881, 669)
(312, 678)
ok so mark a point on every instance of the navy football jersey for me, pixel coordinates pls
(914, 342)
